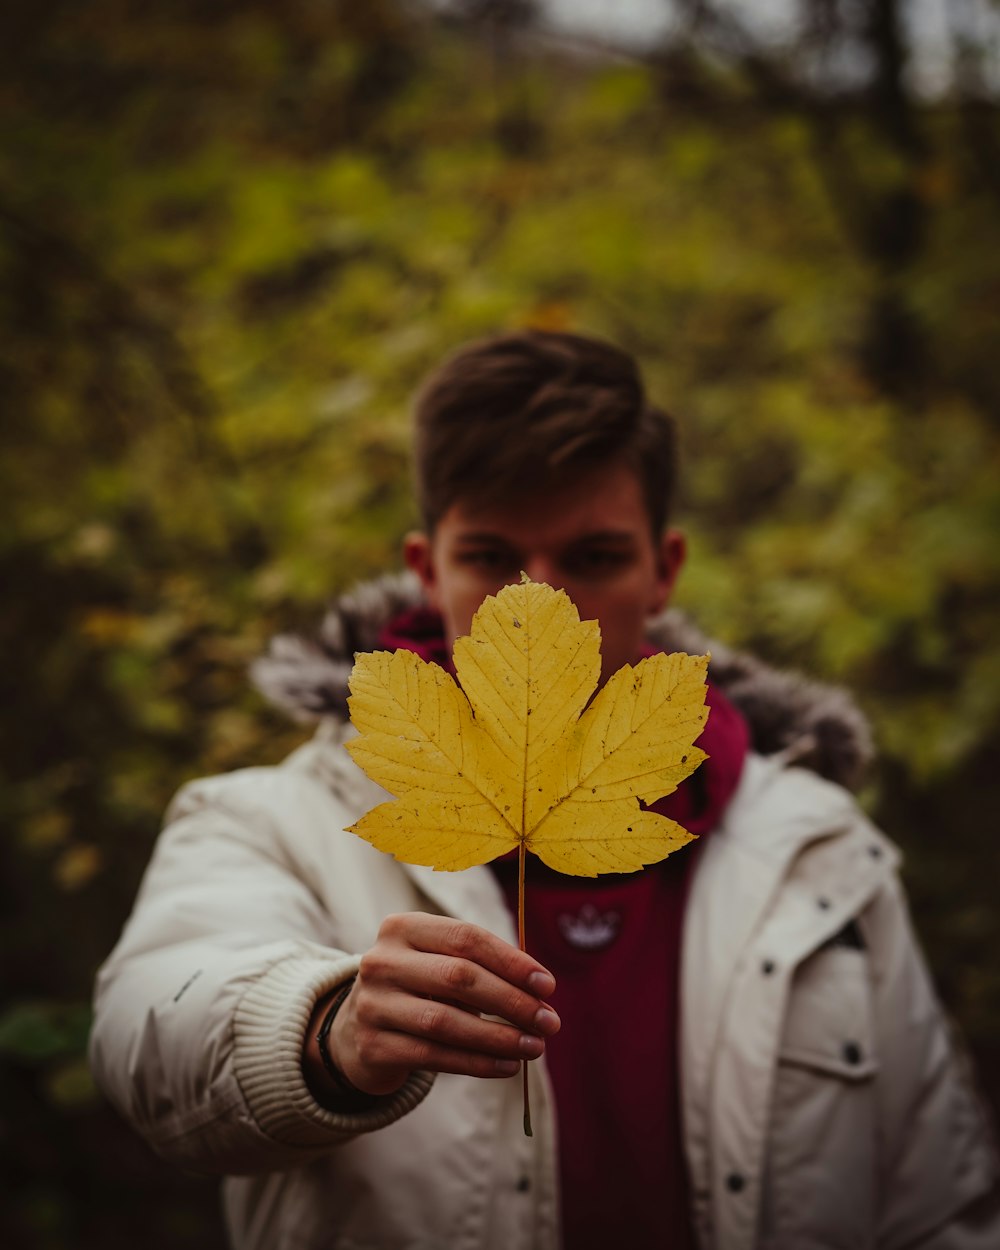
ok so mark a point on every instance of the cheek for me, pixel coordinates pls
(623, 629)
(458, 601)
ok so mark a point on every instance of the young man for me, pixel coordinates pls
(738, 1047)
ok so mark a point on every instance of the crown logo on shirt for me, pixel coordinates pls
(589, 929)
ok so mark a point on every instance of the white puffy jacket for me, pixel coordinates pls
(823, 1102)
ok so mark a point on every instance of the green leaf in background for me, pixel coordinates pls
(36, 1032)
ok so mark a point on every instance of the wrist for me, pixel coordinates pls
(327, 1083)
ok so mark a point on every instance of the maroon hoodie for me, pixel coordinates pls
(613, 944)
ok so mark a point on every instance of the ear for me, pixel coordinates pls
(418, 555)
(670, 556)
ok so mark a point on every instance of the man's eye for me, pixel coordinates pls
(598, 560)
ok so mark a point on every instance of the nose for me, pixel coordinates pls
(541, 569)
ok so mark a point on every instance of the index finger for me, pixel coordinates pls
(442, 935)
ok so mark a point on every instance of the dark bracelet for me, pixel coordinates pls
(348, 1095)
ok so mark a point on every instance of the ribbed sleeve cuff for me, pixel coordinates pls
(270, 1024)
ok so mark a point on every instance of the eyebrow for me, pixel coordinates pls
(604, 535)
(480, 536)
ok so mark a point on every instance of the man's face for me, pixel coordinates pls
(590, 537)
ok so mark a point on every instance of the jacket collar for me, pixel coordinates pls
(783, 822)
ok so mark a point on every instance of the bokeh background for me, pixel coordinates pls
(234, 235)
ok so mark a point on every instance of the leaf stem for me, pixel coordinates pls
(520, 896)
(520, 940)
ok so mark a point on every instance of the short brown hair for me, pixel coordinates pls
(515, 412)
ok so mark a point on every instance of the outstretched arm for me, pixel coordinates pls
(206, 1012)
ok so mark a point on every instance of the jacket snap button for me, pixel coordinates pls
(852, 1052)
(875, 852)
(767, 967)
(823, 904)
(523, 1185)
(735, 1182)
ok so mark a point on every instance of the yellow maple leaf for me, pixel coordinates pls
(516, 758)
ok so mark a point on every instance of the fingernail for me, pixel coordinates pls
(508, 1067)
(546, 1020)
(541, 983)
(530, 1047)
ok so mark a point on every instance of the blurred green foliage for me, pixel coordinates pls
(232, 240)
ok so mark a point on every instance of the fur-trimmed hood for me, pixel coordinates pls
(818, 726)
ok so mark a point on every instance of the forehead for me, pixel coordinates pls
(607, 500)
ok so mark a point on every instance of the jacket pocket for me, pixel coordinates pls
(828, 1023)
